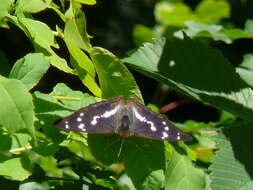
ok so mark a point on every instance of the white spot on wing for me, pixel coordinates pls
(106, 114)
(81, 126)
(66, 126)
(94, 120)
(110, 113)
(178, 136)
(153, 128)
(79, 119)
(143, 119)
(165, 135)
(164, 123)
(81, 114)
(138, 116)
(166, 128)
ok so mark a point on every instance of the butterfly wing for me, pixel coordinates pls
(99, 117)
(149, 124)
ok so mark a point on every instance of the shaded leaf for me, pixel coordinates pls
(231, 168)
(194, 68)
(150, 156)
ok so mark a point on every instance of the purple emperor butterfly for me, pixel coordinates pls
(125, 118)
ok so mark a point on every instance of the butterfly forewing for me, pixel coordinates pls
(96, 118)
(149, 124)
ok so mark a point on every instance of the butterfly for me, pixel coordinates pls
(125, 118)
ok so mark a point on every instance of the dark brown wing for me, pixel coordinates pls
(99, 117)
(149, 124)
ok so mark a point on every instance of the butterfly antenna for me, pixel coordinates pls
(141, 148)
(120, 149)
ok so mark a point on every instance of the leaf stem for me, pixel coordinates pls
(66, 98)
(20, 149)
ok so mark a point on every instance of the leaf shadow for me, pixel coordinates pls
(240, 137)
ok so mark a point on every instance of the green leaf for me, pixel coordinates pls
(181, 174)
(75, 28)
(47, 104)
(85, 69)
(114, 77)
(43, 40)
(71, 98)
(211, 11)
(32, 6)
(231, 168)
(49, 165)
(19, 140)
(173, 14)
(204, 30)
(155, 181)
(142, 34)
(13, 168)
(5, 6)
(194, 68)
(18, 110)
(30, 69)
(245, 70)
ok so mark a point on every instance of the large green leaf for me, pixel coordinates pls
(144, 159)
(232, 166)
(114, 77)
(30, 69)
(18, 109)
(181, 174)
(196, 69)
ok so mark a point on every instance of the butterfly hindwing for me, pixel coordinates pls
(96, 118)
(149, 124)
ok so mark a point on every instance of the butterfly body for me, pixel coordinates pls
(124, 118)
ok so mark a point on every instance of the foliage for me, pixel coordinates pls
(35, 155)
